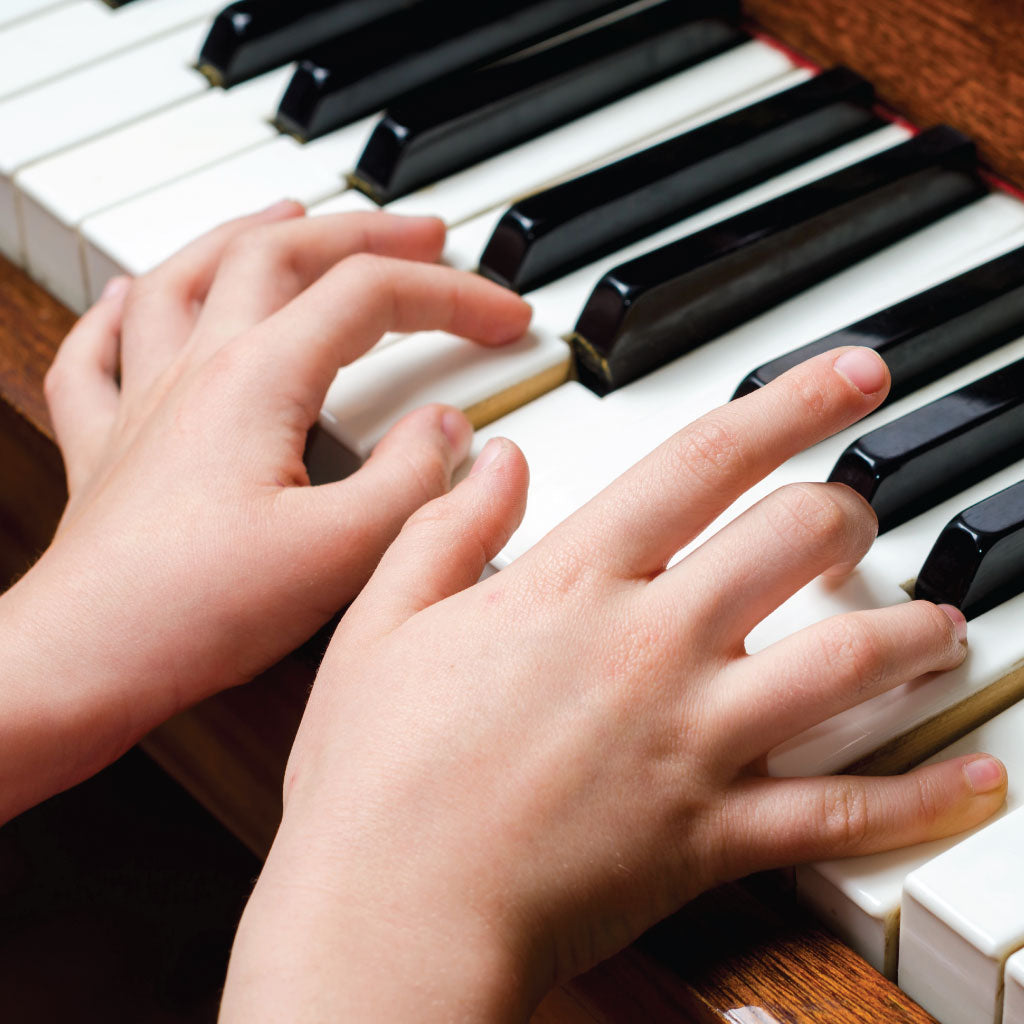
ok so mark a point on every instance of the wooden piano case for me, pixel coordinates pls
(741, 954)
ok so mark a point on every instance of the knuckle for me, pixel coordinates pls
(845, 814)
(53, 382)
(851, 650)
(929, 799)
(369, 276)
(811, 394)
(565, 570)
(709, 449)
(808, 513)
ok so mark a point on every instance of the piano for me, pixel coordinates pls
(741, 954)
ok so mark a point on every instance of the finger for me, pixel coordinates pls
(792, 821)
(444, 547)
(638, 523)
(846, 660)
(264, 268)
(341, 315)
(783, 542)
(164, 304)
(81, 387)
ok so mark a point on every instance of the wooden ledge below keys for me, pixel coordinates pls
(727, 958)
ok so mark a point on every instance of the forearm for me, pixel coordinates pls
(80, 678)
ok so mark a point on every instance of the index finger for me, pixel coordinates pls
(639, 523)
(343, 314)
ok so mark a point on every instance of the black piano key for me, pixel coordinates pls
(253, 36)
(650, 310)
(978, 560)
(565, 227)
(932, 453)
(470, 116)
(930, 334)
(365, 70)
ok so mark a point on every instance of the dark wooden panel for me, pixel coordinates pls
(946, 60)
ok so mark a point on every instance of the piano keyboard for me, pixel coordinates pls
(115, 151)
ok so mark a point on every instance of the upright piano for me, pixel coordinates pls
(743, 954)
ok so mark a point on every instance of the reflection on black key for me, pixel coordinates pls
(934, 452)
(253, 36)
(567, 226)
(365, 70)
(654, 308)
(931, 334)
(470, 116)
(978, 560)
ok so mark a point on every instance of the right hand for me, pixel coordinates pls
(497, 785)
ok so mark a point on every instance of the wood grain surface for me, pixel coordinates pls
(945, 61)
(730, 957)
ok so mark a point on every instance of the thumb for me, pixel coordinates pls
(363, 513)
(444, 547)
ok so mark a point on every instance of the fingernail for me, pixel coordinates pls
(957, 618)
(457, 430)
(115, 287)
(984, 773)
(863, 368)
(281, 207)
(492, 451)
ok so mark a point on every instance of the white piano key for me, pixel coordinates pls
(96, 99)
(73, 35)
(14, 10)
(57, 194)
(642, 414)
(1013, 999)
(963, 915)
(136, 235)
(360, 411)
(859, 897)
(77, 106)
(371, 394)
(559, 154)
(112, 238)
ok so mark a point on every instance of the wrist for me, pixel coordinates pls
(344, 924)
(80, 681)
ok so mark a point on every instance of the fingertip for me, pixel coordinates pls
(865, 369)
(458, 432)
(116, 288)
(957, 618)
(512, 316)
(283, 209)
(985, 774)
(490, 456)
(432, 429)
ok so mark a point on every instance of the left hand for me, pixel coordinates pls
(193, 553)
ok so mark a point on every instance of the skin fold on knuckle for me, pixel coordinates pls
(849, 650)
(845, 818)
(807, 516)
(811, 394)
(931, 797)
(711, 450)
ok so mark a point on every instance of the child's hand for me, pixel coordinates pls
(496, 786)
(192, 554)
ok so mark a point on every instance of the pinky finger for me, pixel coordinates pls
(81, 386)
(793, 821)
